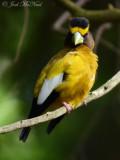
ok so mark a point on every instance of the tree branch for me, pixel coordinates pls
(58, 24)
(22, 35)
(110, 14)
(99, 33)
(101, 91)
(110, 46)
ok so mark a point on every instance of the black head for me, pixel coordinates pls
(78, 29)
(79, 22)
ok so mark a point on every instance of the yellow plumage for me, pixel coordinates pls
(79, 64)
(78, 29)
(68, 76)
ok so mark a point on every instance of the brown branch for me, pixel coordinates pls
(22, 35)
(110, 14)
(104, 89)
(58, 24)
(110, 46)
(99, 33)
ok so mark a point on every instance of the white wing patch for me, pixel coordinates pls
(48, 86)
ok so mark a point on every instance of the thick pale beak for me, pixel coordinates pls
(77, 38)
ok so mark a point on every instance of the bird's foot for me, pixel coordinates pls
(85, 103)
(67, 106)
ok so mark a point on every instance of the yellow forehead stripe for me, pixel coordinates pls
(78, 29)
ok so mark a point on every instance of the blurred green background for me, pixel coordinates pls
(89, 133)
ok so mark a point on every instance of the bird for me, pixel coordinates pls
(68, 77)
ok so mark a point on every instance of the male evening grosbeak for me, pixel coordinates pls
(68, 77)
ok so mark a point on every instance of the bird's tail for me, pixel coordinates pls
(24, 134)
(53, 123)
(35, 111)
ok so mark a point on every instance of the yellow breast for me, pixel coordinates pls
(81, 70)
(79, 66)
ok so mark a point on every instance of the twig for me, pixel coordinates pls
(23, 33)
(104, 89)
(58, 25)
(110, 46)
(110, 14)
(100, 32)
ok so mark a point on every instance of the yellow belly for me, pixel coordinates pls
(81, 77)
(80, 67)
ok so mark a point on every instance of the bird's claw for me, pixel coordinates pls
(67, 106)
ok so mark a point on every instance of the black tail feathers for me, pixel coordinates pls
(37, 110)
(24, 134)
(53, 123)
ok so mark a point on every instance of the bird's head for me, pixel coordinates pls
(78, 29)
